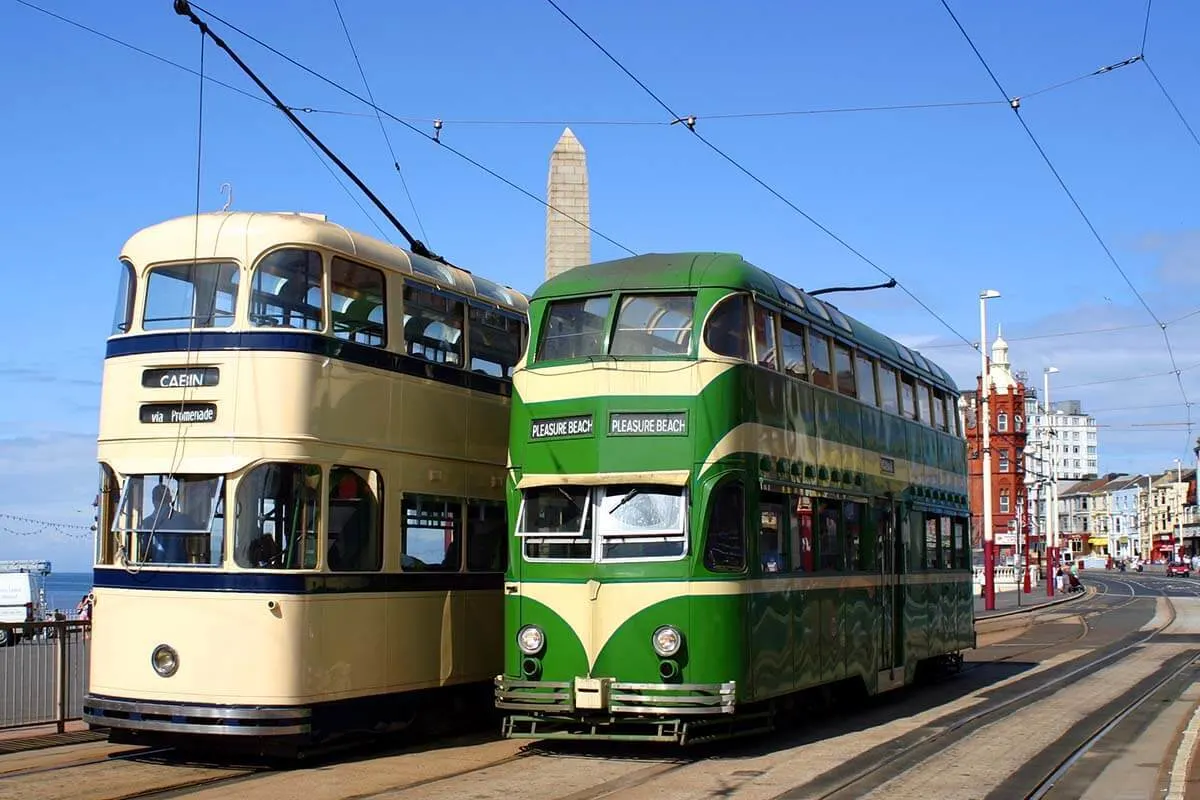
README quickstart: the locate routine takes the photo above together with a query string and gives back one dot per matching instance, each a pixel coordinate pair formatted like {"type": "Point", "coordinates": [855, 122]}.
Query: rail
{"type": "Point", "coordinates": [43, 672]}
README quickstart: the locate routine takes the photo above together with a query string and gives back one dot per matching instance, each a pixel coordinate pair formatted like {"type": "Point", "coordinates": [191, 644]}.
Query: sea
{"type": "Point", "coordinates": [65, 589]}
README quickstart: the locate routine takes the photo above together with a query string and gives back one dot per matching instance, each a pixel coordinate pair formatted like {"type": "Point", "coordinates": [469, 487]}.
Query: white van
{"type": "Point", "coordinates": [20, 602]}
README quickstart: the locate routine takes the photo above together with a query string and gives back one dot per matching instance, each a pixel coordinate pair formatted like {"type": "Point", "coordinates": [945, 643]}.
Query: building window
{"type": "Point", "coordinates": [1002, 422]}
{"type": "Point", "coordinates": [1004, 505]}
{"type": "Point", "coordinates": [1019, 422]}
{"type": "Point", "coordinates": [1004, 460]}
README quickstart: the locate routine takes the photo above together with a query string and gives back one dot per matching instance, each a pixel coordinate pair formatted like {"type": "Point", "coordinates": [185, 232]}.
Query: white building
{"type": "Point", "coordinates": [1067, 436]}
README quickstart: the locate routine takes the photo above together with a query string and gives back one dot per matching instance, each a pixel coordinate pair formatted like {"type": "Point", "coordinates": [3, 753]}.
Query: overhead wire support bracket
{"type": "Point", "coordinates": [184, 9]}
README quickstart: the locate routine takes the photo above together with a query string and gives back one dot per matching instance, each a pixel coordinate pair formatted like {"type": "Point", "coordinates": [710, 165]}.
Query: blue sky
{"type": "Point", "coordinates": [99, 141]}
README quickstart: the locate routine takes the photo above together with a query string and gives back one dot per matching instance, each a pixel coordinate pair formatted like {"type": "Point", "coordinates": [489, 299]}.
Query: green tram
{"type": "Point", "coordinates": [722, 492]}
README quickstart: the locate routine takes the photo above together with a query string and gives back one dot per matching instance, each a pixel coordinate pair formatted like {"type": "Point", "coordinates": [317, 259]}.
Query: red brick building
{"type": "Point", "coordinates": [1008, 433]}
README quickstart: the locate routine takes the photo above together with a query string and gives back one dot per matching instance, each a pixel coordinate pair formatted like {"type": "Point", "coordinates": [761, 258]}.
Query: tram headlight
{"type": "Point", "coordinates": [165, 660]}
{"type": "Point", "coordinates": [531, 640]}
{"type": "Point", "coordinates": [667, 641]}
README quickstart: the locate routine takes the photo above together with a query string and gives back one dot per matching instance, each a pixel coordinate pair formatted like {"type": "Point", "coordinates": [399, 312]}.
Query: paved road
{"type": "Point", "coordinates": [27, 677]}
{"type": "Point", "coordinates": [1131, 584]}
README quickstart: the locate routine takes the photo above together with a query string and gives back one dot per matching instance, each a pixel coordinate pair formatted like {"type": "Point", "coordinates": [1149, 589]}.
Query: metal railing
{"type": "Point", "coordinates": [43, 672]}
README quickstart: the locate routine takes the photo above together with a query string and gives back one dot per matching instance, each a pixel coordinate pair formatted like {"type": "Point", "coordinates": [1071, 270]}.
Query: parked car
{"type": "Point", "coordinates": [1180, 568]}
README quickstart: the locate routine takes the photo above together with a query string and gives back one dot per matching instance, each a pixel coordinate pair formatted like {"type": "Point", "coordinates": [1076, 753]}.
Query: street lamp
{"type": "Point", "coordinates": [1051, 489]}
{"type": "Point", "coordinates": [985, 422]}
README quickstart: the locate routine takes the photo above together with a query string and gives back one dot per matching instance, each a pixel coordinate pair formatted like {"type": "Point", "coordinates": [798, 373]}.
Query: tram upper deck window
{"type": "Point", "coordinates": [908, 396]}
{"type": "Point", "coordinates": [495, 341]}
{"type": "Point", "coordinates": [433, 325]}
{"type": "Point", "coordinates": [843, 363]}
{"type": "Point", "coordinates": [889, 389]}
{"type": "Point", "coordinates": [764, 338]}
{"type": "Point", "coordinates": [939, 411]}
{"type": "Point", "coordinates": [654, 325]}
{"type": "Point", "coordinates": [641, 522]}
{"type": "Point", "coordinates": [554, 523]}
{"type": "Point", "coordinates": [191, 295]}
{"type": "Point", "coordinates": [494, 291]}
{"type": "Point", "coordinates": [123, 313]}
{"type": "Point", "coordinates": [278, 516]}
{"type": "Point", "coordinates": [574, 329]}
{"type": "Point", "coordinates": [792, 339]}
{"type": "Point", "coordinates": [356, 303]}
{"type": "Point", "coordinates": [727, 331]}
{"type": "Point", "coordinates": [923, 404]}
{"type": "Point", "coordinates": [818, 356]}
{"type": "Point", "coordinates": [171, 520]}
{"type": "Point", "coordinates": [865, 369]}
{"type": "Point", "coordinates": [287, 291]}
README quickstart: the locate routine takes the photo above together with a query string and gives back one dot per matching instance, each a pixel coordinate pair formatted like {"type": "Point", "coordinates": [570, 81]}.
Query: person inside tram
{"type": "Point", "coordinates": [154, 540]}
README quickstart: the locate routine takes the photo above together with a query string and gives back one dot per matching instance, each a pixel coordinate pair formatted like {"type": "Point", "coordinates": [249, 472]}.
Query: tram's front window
{"type": "Point", "coordinates": [573, 329]}
{"type": "Point", "coordinates": [191, 295]}
{"type": "Point", "coordinates": [171, 520]}
{"type": "Point", "coordinates": [278, 516]}
{"type": "Point", "coordinates": [641, 522]}
{"type": "Point", "coordinates": [554, 523]}
{"type": "Point", "coordinates": [654, 325]}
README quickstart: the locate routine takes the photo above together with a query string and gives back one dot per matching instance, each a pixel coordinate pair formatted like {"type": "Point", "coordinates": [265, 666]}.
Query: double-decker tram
{"type": "Point", "coordinates": [723, 492]}
{"type": "Point", "coordinates": [302, 447]}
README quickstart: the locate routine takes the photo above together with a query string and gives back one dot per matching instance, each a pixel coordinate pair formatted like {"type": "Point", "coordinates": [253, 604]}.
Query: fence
{"type": "Point", "coordinates": [1006, 577]}
{"type": "Point", "coordinates": [43, 676]}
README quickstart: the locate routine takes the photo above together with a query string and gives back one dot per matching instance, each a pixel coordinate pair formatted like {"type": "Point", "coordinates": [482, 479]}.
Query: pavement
{"type": "Point", "coordinates": [1010, 600]}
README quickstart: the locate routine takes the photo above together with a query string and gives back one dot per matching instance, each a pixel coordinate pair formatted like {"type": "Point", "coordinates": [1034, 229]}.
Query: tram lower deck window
{"type": "Point", "coordinates": [554, 523]}
{"type": "Point", "coordinates": [171, 520]}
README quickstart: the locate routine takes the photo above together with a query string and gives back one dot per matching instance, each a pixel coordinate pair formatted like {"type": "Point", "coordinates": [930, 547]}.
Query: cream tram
{"type": "Point", "coordinates": [302, 451]}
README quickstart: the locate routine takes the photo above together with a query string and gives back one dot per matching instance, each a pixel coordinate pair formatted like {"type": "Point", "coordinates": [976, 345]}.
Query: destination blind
{"type": "Point", "coordinates": [164, 413]}
{"type": "Point", "coordinates": [670, 423]}
{"type": "Point", "coordinates": [561, 427]}
{"type": "Point", "coordinates": [180, 377]}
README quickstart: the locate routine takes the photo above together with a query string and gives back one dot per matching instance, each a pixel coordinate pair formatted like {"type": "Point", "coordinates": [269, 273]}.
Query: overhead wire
{"type": "Point", "coordinates": [1055, 335]}
{"type": "Point", "coordinates": [1171, 101]}
{"type": "Point", "coordinates": [500, 122]}
{"type": "Point", "coordinates": [434, 138]}
{"type": "Point", "coordinates": [379, 117]}
{"type": "Point", "coordinates": [1138, 377]}
{"type": "Point", "coordinates": [1078, 207]}
{"type": "Point", "coordinates": [690, 124]}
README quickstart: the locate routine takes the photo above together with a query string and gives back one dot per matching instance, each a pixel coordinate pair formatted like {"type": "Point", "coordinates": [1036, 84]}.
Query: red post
{"type": "Point", "coordinates": [989, 576]}
{"type": "Point", "coordinates": [1051, 569]}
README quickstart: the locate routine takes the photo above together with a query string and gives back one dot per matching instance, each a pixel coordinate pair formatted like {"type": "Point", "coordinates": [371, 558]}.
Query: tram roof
{"type": "Point", "coordinates": [244, 235]}
{"type": "Point", "coordinates": [668, 271]}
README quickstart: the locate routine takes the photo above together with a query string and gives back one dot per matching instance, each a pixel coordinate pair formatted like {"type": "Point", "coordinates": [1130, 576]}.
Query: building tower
{"type": "Point", "coordinates": [1006, 403]}
{"type": "Point", "coordinates": [568, 239]}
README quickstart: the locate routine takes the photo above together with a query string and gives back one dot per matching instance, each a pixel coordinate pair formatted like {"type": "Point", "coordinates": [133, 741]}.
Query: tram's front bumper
{"type": "Point", "coordinates": [196, 718]}
{"type": "Point", "coordinates": [603, 708]}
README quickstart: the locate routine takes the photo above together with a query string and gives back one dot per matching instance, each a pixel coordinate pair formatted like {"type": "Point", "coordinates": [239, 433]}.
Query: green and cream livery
{"type": "Point", "coordinates": [723, 492]}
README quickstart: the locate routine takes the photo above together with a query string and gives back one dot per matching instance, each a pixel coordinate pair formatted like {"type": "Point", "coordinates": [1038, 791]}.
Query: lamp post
{"type": "Point", "coordinates": [985, 422]}
{"type": "Point", "coordinates": [1051, 489]}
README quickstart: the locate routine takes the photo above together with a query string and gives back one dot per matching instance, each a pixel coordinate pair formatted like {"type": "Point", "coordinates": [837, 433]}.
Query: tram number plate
{"type": "Point", "coordinates": [165, 413]}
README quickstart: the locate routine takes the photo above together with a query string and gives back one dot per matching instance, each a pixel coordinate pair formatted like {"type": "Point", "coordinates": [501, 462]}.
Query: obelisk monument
{"type": "Point", "coordinates": [568, 242]}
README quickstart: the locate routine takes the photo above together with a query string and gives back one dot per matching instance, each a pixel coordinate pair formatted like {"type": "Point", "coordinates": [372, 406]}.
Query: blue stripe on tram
{"type": "Point", "coordinates": [308, 343]}
{"type": "Point", "coordinates": [292, 583]}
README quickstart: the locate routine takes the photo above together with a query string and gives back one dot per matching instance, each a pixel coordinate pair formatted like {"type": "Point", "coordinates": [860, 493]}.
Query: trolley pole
{"type": "Point", "coordinates": [985, 423]}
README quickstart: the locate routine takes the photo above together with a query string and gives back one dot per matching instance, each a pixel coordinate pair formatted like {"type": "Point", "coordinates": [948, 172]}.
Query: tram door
{"type": "Point", "coordinates": [891, 600]}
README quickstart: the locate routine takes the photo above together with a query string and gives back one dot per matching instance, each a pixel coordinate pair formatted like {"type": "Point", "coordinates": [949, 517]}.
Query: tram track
{"type": "Point", "coordinates": [908, 752]}
{"type": "Point", "coordinates": [1084, 613]}
{"type": "Point", "coordinates": [1165, 678]}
